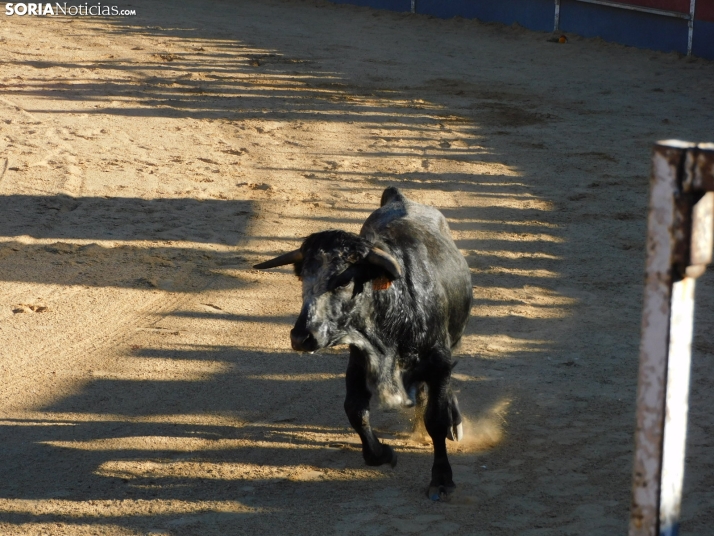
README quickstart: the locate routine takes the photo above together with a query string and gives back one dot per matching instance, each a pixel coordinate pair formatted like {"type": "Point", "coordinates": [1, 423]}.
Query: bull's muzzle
{"type": "Point", "coordinates": [302, 340]}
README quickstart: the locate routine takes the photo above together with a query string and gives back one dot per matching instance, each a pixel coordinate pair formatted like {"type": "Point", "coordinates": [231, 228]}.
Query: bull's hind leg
{"type": "Point", "coordinates": [357, 409]}
{"type": "Point", "coordinates": [455, 431]}
{"type": "Point", "coordinates": [439, 418]}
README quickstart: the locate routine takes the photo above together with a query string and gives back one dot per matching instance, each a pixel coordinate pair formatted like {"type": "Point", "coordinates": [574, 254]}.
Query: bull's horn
{"type": "Point", "coordinates": [383, 259]}
{"type": "Point", "coordinates": [282, 260]}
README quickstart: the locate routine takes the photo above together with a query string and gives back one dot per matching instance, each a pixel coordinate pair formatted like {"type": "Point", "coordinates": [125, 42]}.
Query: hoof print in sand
{"type": "Point", "coordinates": [27, 308]}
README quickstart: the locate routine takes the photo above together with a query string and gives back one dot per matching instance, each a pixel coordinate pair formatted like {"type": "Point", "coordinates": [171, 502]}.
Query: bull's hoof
{"type": "Point", "coordinates": [393, 461]}
{"type": "Point", "coordinates": [456, 432]}
{"type": "Point", "coordinates": [440, 493]}
{"type": "Point", "coordinates": [388, 456]}
{"type": "Point", "coordinates": [442, 485]}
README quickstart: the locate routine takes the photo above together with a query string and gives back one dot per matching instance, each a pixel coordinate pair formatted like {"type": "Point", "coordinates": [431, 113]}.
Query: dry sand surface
{"type": "Point", "coordinates": [147, 162]}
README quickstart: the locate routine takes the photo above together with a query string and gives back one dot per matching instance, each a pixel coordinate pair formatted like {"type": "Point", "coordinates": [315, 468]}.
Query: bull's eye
{"type": "Point", "coordinates": [340, 283]}
{"type": "Point", "coordinates": [341, 280]}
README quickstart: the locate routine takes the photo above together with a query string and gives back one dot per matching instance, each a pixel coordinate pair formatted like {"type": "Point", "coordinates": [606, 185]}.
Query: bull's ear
{"type": "Point", "coordinates": [282, 260]}
{"type": "Point", "coordinates": [384, 260]}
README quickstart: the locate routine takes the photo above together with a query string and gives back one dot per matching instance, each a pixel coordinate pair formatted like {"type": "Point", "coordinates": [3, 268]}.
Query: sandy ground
{"type": "Point", "coordinates": [147, 162]}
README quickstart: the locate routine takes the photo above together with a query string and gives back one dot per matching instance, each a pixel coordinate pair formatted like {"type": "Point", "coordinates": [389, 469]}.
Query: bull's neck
{"type": "Point", "coordinates": [366, 328]}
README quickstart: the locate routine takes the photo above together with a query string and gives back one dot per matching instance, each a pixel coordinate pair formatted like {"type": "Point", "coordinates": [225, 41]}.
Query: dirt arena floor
{"type": "Point", "coordinates": [147, 162]}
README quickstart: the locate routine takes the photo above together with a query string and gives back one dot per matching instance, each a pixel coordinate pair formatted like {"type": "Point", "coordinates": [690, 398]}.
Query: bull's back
{"type": "Point", "coordinates": [419, 236]}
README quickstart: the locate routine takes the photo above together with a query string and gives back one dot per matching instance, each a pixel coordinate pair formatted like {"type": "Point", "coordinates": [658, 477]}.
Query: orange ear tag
{"type": "Point", "coordinates": [381, 283]}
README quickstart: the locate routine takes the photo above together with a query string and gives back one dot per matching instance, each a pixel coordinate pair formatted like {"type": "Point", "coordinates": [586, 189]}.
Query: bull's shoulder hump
{"type": "Point", "coordinates": [392, 194]}
{"type": "Point", "coordinates": [408, 213]}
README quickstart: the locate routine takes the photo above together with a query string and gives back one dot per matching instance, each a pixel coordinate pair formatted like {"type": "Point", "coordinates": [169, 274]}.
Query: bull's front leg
{"type": "Point", "coordinates": [442, 419]}
{"type": "Point", "coordinates": [357, 409]}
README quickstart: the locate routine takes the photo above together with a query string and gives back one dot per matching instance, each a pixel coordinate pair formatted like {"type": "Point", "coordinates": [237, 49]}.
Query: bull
{"type": "Point", "coordinates": [399, 294]}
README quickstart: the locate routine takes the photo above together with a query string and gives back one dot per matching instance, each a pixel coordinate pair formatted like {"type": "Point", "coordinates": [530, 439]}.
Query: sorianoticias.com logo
{"type": "Point", "coordinates": [82, 10]}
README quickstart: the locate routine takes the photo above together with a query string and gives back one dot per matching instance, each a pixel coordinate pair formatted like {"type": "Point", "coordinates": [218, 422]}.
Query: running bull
{"type": "Point", "coordinates": [399, 294]}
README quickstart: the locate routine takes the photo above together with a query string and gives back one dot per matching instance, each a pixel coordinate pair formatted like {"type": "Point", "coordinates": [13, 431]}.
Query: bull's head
{"type": "Point", "coordinates": [334, 267]}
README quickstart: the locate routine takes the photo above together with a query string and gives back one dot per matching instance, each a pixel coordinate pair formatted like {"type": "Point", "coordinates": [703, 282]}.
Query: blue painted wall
{"type": "Point", "coordinates": [623, 26]}
{"type": "Point", "coordinates": [632, 28]}
{"type": "Point", "coordinates": [533, 14]}
{"type": "Point", "coordinates": [703, 44]}
{"type": "Point", "coordinates": [391, 5]}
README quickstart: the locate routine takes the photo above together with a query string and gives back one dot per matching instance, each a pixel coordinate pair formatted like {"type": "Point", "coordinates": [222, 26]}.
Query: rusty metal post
{"type": "Point", "coordinates": [690, 26]}
{"type": "Point", "coordinates": [556, 20]}
{"type": "Point", "coordinates": [679, 246]}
